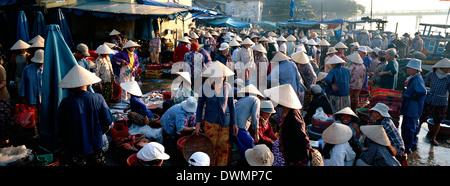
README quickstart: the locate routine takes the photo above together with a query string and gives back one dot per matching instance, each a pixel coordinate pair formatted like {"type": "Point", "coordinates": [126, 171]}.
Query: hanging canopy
{"type": "Point", "coordinates": [267, 25]}
{"type": "Point", "coordinates": [306, 24]}
{"type": "Point", "coordinates": [58, 60]}
{"type": "Point", "coordinates": [192, 9]}
{"type": "Point", "coordinates": [39, 25]}
{"type": "Point", "coordinates": [332, 24]}
{"type": "Point", "coordinates": [229, 22]}
{"type": "Point", "coordinates": [132, 10]}
{"type": "Point", "coordinates": [65, 30]}
{"type": "Point", "coordinates": [22, 27]}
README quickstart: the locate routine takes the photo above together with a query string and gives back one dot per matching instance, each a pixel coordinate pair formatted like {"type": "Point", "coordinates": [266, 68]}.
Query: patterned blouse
{"type": "Point", "coordinates": [439, 88]}
{"type": "Point", "coordinates": [103, 69]}
{"type": "Point", "coordinates": [358, 73]}
{"type": "Point", "coordinates": [193, 58]}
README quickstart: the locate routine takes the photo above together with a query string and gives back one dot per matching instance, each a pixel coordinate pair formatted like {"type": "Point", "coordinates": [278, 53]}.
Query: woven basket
{"type": "Point", "coordinates": [194, 143]}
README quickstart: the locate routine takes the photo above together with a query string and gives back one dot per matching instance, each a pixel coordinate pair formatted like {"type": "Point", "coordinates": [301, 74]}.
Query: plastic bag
{"type": "Point", "coordinates": [320, 115]}
{"type": "Point", "coordinates": [23, 116]}
{"type": "Point", "coordinates": [149, 132]}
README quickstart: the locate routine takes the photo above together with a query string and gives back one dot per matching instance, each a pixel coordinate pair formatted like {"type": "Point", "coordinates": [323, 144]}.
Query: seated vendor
{"type": "Point", "coordinates": [182, 91]}
{"type": "Point", "coordinates": [176, 120]}
{"type": "Point", "coordinates": [139, 114]}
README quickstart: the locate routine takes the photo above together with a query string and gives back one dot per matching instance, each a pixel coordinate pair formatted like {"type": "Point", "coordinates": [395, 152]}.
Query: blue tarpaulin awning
{"type": "Point", "coordinates": [58, 61]}
{"type": "Point", "coordinates": [307, 24]}
{"type": "Point", "coordinates": [229, 22]}
{"type": "Point", "coordinates": [65, 30]}
{"type": "Point", "coordinates": [39, 25]}
{"type": "Point", "coordinates": [267, 25]}
{"type": "Point", "coordinates": [22, 27]}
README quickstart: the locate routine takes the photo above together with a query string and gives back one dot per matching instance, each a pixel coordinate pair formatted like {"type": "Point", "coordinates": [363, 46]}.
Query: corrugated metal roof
{"type": "Point", "coordinates": [125, 8]}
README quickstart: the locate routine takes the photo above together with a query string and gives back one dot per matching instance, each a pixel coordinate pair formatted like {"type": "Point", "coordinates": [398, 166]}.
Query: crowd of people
{"type": "Point", "coordinates": [254, 89]}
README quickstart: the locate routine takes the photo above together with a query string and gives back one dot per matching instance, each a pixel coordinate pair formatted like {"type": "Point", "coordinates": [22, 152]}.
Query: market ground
{"type": "Point", "coordinates": [425, 155]}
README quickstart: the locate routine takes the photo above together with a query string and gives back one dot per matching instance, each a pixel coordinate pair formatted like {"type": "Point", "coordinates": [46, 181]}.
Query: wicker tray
{"type": "Point", "coordinates": [196, 143]}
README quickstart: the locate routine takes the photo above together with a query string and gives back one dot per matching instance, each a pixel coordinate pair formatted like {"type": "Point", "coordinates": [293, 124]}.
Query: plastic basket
{"type": "Point", "coordinates": [386, 92]}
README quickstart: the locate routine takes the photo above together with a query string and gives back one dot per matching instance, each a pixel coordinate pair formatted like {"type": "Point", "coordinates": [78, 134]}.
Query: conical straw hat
{"type": "Point", "coordinates": [335, 60]}
{"type": "Point", "coordinates": [340, 45]}
{"type": "Point", "coordinates": [300, 57]}
{"type": "Point", "coordinates": [280, 57]}
{"type": "Point", "coordinates": [19, 45]}
{"type": "Point", "coordinates": [443, 63]}
{"type": "Point", "coordinates": [311, 42]}
{"type": "Point", "coordinates": [263, 39]}
{"type": "Point", "coordinates": [272, 34]}
{"type": "Point", "coordinates": [355, 58]}
{"type": "Point", "coordinates": [217, 69]}
{"type": "Point", "coordinates": [185, 75]}
{"type": "Point", "coordinates": [78, 77]}
{"type": "Point", "coordinates": [36, 39]}
{"type": "Point", "coordinates": [250, 89]}
{"type": "Point", "coordinates": [260, 48]}
{"type": "Point", "coordinates": [132, 87]}
{"type": "Point", "coordinates": [376, 133]}
{"type": "Point", "coordinates": [131, 43]}
{"type": "Point", "coordinates": [104, 49]}
{"type": "Point", "coordinates": [337, 133]}
{"type": "Point", "coordinates": [184, 40]}
{"type": "Point", "coordinates": [114, 32]}
{"type": "Point", "coordinates": [281, 38]}
{"type": "Point", "coordinates": [291, 38]}
{"type": "Point", "coordinates": [234, 43]}
{"type": "Point", "coordinates": [38, 44]}
{"type": "Point", "coordinates": [193, 35]}
{"type": "Point", "coordinates": [208, 34]}
{"type": "Point", "coordinates": [322, 75]}
{"type": "Point", "coordinates": [346, 110]}
{"type": "Point", "coordinates": [247, 41]}
{"type": "Point", "coordinates": [284, 95]}
{"type": "Point", "coordinates": [323, 42]}
{"type": "Point", "coordinates": [331, 50]}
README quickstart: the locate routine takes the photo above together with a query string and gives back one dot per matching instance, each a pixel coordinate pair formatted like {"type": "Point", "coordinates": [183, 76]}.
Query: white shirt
{"type": "Point", "coordinates": [340, 155]}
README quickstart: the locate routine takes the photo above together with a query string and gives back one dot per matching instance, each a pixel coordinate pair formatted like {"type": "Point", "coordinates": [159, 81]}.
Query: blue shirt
{"type": "Point", "coordinates": [413, 97]}
{"type": "Point", "coordinates": [218, 109]}
{"type": "Point", "coordinates": [392, 133]}
{"type": "Point", "coordinates": [84, 63]}
{"type": "Point", "coordinates": [247, 107]}
{"type": "Point", "coordinates": [174, 119]}
{"type": "Point", "coordinates": [438, 94]}
{"type": "Point", "coordinates": [137, 105]}
{"type": "Point", "coordinates": [286, 73]}
{"type": "Point", "coordinates": [341, 76]}
{"type": "Point", "coordinates": [82, 119]}
{"type": "Point", "coordinates": [31, 86]}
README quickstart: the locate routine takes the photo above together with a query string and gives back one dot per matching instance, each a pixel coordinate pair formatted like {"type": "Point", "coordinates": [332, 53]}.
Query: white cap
{"type": "Point", "coordinates": [152, 151]}
{"type": "Point", "coordinates": [38, 56]}
{"type": "Point", "coordinates": [199, 159]}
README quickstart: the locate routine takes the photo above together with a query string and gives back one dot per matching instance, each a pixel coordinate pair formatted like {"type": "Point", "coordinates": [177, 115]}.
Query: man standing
{"type": "Point", "coordinates": [413, 99]}
{"type": "Point", "coordinates": [155, 48]}
{"type": "Point", "coordinates": [31, 85]}
{"type": "Point", "coordinates": [80, 55]}
{"type": "Point", "coordinates": [82, 119]}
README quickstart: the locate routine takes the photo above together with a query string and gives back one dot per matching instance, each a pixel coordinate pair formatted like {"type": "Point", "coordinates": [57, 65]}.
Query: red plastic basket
{"type": "Point", "coordinates": [386, 92]}
{"type": "Point", "coordinates": [117, 91]}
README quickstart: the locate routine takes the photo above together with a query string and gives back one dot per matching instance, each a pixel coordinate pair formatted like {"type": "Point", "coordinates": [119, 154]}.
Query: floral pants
{"type": "Point", "coordinates": [220, 137]}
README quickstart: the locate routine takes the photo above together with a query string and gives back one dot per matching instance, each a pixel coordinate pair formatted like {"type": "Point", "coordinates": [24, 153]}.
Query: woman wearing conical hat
{"type": "Point", "coordinates": [83, 115]}
{"type": "Point", "coordinates": [104, 71]}
{"type": "Point", "coordinates": [376, 151]}
{"type": "Point", "coordinates": [129, 64]}
{"type": "Point", "coordinates": [358, 73]}
{"type": "Point", "coordinates": [216, 99]}
{"type": "Point", "coordinates": [337, 150]}
{"type": "Point", "coordinates": [436, 100]}
{"type": "Point", "coordinates": [292, 147]}
{"type": "Point", "coordinates": [19, 60]}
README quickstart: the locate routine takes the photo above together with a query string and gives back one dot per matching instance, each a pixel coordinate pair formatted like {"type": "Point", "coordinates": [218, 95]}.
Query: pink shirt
{"type": "Point", "coordinates": [357, 71]}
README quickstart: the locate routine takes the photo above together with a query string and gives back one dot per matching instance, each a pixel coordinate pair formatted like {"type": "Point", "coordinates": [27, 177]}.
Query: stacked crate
{"type": "Point", "coordinates": [153, 71]}
{"type": "Point", "coordinates": [392, 98]}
